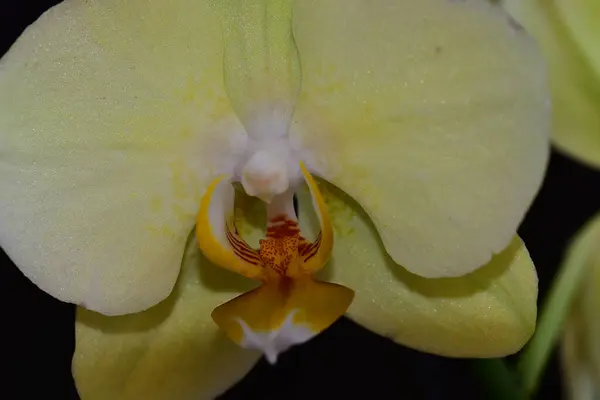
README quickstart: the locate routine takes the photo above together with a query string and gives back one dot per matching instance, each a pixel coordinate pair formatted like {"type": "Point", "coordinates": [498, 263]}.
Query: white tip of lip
{"type": "Point", "coordinates": [277, 341]}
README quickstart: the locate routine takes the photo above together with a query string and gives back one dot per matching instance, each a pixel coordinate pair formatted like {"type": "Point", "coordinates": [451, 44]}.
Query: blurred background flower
{"type": "Point", "coordinates": [569, 35]}
{"type": "Point", "coordinates": [581, 338]}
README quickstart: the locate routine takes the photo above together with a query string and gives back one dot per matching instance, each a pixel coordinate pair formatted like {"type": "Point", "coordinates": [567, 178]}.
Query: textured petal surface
{"type": "Point", "coordinates": [105, 108]}
{"type": "Point", "coordinates": [488, 313]}
{"type": "Point", "coordinates": [171, 351]}
{"type": "Point", "coordinates": [433, 116]}
{"type": "Point", "coordinates": [568, 35]}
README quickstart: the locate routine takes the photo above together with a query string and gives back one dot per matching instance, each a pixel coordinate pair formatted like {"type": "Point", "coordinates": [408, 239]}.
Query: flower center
{"type": "Point", "coordinates": [290, 306]}
{"type": "Point", "coordinates": [270, 165]}
{"type": "Point", "coordinates": [265, 176]}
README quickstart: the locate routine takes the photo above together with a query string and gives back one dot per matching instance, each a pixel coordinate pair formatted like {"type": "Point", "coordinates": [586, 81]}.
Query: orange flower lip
{"type": "Point", "coordinates": [290, 307]}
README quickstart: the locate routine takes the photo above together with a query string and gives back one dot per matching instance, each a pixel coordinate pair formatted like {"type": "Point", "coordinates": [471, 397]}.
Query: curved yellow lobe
{"type": "Point", "coordinates": [213, 225]}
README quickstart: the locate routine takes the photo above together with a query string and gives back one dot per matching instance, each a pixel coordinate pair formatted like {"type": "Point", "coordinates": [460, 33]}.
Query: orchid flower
{"type": "Point", "coordinates": [151, 153]}
{"type": "Point", "coordinates": [568, 33]}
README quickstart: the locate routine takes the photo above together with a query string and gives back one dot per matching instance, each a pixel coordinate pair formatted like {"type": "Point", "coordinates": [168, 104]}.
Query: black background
{"type": "Point", "coordinates": [347, 361]}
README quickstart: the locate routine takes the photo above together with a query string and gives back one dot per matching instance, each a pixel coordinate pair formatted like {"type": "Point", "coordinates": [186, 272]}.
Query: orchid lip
{"type": "Point", "coordinates": [290, 306]}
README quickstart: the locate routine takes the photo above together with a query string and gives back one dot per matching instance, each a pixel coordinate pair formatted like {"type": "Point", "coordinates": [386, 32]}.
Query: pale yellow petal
{"type": "Point", "coordinates": [172, 351]}
{"type": "Point", "coordinates": [106, 108]}
{"type": "Point", "coordinates": [488, 313]}
{"type": "Point", "coordinates": [569, 44]}
{"type": "Point", "coordinates": [433, 115]}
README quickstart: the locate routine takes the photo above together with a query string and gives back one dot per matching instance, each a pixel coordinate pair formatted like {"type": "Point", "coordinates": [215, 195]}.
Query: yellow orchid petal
{"type": "Point", "coordinates": [567, 33]}
{"type": "Point", "coordinates": [440, 137]}
{"type": "Point", "coordinates": [170, 351]}
{"type": "Point", "coordinates": [488, 313]}
{"type": "Point", "coordinates": [111, 114]}
{"type": "Point", "coordinates": [290, 307]}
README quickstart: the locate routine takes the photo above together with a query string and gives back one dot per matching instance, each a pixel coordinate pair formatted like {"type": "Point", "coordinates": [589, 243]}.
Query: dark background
{"type": "Point", "coordinates": [347, 361]}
